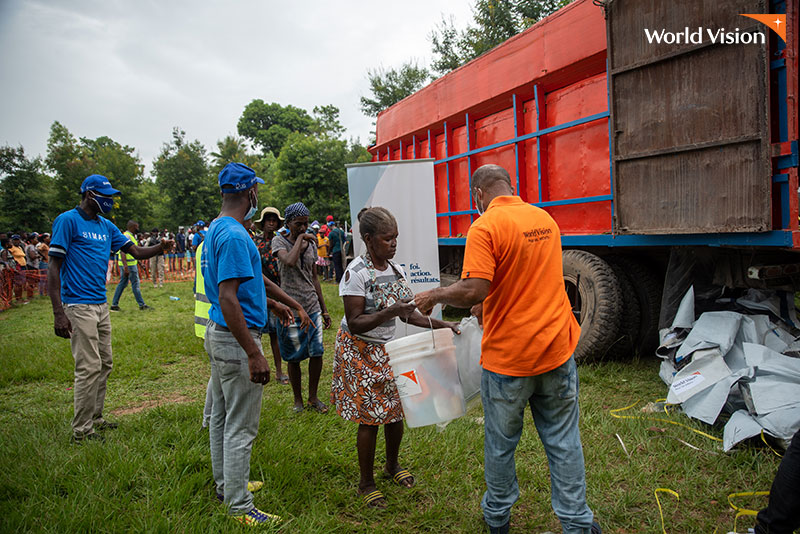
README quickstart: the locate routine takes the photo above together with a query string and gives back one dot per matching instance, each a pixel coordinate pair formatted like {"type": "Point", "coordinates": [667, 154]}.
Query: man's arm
{"type": "Point", "coordinates": [465, 293]}
{"type": "Point", "coordinates": [326, 318]}
{"type": "Point", "coordinates": [234, 318]}
{"type": "Point", "coordinates": [276, 293]}
{"type": "Point", "coordinates": [62, 326]}
{"type": "Point", "coordinates": [143, 253]}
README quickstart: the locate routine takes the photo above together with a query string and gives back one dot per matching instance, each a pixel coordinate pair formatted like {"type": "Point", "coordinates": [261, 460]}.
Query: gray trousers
{"type": "Point", "coordinates": [91, 349]}
{"type": "Point", "coordinates": [235, 412]}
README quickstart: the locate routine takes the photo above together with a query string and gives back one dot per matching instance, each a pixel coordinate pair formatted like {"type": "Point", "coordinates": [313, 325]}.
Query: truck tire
{"type": "Point", "coordinates": [625, 347]}
{"type": "Point", "coordinates": [594, 293]}
{"type": "Point", "coordinates": [648, 289]}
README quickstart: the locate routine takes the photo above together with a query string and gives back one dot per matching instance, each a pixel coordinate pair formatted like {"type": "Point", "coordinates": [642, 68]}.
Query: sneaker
{"type": "Point", "coordinates": [79, 439]}
{"type": "Point", "coordinates": [114, 307]}
{"type": "Point", "coordinates": [102, 424]}
{"type": "Point", "coordinates": [596, 528]}
{"type": "Point", "coordinates": [257, 518]}
{"type": "Point", "coordinates": [146, 308]}
{"type": "Point", "coordinates": [252, 486]}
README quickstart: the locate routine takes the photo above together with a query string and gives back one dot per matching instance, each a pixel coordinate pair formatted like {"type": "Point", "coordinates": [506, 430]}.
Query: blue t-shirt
{"type": "Point", "coordinates": [228, 252]}
{"type": "Point", "coordinates": [180, 243]}
{"type": "Point", "coordinates": [85, 244]}
{"type": "Point", "coordinates": [336, 238]}
{"type": "Point", "coordinates": [198, 238]}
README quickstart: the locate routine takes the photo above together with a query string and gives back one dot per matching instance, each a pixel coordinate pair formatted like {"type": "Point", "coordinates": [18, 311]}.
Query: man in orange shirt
{"type": "Point", "coordinates": [512, 277]}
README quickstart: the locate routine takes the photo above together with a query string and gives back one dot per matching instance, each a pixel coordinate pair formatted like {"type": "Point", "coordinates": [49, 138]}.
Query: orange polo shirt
{"type": "Point", "coordinates": [528, 325]}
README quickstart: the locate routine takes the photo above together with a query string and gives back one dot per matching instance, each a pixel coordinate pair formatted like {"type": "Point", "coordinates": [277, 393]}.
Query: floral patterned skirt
{"type": "Point", "coordinates": [363, 387]}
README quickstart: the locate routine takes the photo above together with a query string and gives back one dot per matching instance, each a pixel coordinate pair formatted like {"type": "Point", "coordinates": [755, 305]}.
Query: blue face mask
{"type": "Point", "coordinates": [252, 211]}
{"type": "Point", "coordinates": [104, 203]}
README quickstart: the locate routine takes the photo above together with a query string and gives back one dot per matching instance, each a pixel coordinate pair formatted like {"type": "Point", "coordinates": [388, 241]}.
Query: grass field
{"type": "Point", "coordinates": [153, 474]}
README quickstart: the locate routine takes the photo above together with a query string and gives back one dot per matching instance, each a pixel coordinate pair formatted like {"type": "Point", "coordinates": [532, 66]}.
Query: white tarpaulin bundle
{"type": "Point", "coordinates": [742, 364]}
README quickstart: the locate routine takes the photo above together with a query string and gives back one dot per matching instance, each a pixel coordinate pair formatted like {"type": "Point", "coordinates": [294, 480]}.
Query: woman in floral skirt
{"type": "Point", "coordinates": [375, 291]}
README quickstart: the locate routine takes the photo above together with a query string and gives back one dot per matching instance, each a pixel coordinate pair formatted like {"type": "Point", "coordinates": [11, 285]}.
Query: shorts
{"type": "Point", "coordinates": [297, 345]}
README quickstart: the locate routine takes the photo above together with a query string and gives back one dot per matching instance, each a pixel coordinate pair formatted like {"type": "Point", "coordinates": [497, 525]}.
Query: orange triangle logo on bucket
{"type": "Point", "coordinates": [774, 21]}
{"type": "Point", "coordinates": [411, 375]}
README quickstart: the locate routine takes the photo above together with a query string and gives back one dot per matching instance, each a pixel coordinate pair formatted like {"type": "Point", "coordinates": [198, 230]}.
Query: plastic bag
{"type": "Point", "coordinates": [468, 356]}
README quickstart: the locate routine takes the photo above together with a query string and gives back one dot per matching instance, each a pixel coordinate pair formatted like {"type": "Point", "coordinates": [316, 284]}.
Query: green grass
{"type": "Point", "coordinates": [153, 474]}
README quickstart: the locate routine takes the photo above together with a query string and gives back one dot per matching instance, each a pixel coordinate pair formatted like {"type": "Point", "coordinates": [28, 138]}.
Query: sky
{"type": "Point", "coordinates": [133, 70]}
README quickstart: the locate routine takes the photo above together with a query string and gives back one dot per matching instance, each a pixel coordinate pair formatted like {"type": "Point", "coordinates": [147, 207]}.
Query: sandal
{"type": "Point", "coordinates": [284, 379]}
{"type": "Point", "coordinates": [318, 406]}
{"type": "Point", "coordinates": [375, 499]}
{"type": "Point", "coordinates": [298, 409]}
{"type": "Point", "coordinates": [402, 477]}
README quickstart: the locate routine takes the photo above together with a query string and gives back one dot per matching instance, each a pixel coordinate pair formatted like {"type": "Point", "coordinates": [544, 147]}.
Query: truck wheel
{"type": "Point", "coordinates": [648, 289]}
{"type": "Point", "coordinates": [625, 348]}
{"type": "Point", "coordinates": [594, 293]}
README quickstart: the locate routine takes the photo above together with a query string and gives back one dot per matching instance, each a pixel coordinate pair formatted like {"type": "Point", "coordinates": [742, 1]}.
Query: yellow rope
{"type": "Point", "coordinates": [658, 502]}
{"type": "Point", "coordinates": [614, 413]}
{"type": "Point", "coordinates": [764, 439]}
{"type": "Point", "coordinates": [742, 512]}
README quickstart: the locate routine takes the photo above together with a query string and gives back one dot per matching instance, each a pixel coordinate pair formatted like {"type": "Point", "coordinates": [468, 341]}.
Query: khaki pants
{"type": "Point", "coordinates": [91, 349]}
{"type": "Point", "coordinates": [157, 269]}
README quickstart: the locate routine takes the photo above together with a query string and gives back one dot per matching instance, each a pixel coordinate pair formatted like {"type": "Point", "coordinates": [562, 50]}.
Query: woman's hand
{"type": "Point", "coordinates": [403, 308]}
{"type": "Point", "coordinates": [453, 326]}
{"type": "Point", "coordinates": [305, 320]}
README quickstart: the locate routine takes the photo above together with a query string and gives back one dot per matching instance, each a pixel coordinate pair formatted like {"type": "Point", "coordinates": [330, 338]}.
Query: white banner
{"type": "Point", "coordinates": [406, 188]}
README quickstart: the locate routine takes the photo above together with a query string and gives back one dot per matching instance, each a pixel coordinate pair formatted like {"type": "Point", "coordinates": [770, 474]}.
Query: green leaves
{"type": "Point", "coordinates": [269, 125]}
{"type": "Point", "coordinates": [389, 86]}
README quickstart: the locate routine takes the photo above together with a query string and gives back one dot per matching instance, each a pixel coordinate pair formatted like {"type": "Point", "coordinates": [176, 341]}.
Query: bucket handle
{"type": "Point", "coordinates": [433, 337]}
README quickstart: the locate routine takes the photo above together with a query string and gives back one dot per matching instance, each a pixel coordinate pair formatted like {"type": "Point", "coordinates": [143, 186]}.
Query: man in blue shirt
{"type": "Point", "coordinates": [231, 269]}
{"type": "Point", "coordinates": [337, 238]}
{"type": "Point", "coordinates": [80, 247]}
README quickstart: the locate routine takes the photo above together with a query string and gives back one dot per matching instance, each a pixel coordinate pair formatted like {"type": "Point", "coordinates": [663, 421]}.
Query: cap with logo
{"type": "Point", "coordinates": [15, 236]}
{"type": "Point", "coordinates": [269, 209]}
{"type": "Point", "coordinates": [99, 184]}
{"type": "Point", "coordinates": [235, 177]}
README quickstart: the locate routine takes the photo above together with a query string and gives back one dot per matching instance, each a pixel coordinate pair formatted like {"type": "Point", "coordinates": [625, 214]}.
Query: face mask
{"type": "Point", "coordinates": [105, 204]}
{"type": "Point", "coordinates": [478, 205]}
{"type": "Point", "coordinates": [252, 210]}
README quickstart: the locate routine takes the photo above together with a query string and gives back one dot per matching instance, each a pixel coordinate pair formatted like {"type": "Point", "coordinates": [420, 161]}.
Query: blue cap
{"type": "Point", "coordinates": [98, 183]}
{"type": "Point", "coordinates": [239, 176]}
{"type": "Point", "coordinates": [200, 223]}
{"type": "Point", "coordinates": [15, 236]}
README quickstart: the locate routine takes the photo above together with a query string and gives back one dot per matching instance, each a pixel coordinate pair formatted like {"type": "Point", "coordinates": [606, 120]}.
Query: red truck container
{"type": "Point", "coordinates": [663, 163]}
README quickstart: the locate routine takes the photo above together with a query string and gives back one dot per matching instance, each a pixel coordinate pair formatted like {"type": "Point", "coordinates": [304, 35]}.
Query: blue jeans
{"type": "Point", "coordinates": [553, 398]}
{"type": "Point", "coordinates": [235, 412]}
{"type": "Point", "coordinates": [133, 276]}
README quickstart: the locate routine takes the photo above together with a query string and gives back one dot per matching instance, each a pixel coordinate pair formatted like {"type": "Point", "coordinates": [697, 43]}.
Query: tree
{"type": "Point", "coordinates": [25, 193]}
{"type": "Point", "coordinates": [125, 171]}
{"type": "Point", "coordinates": [326, 119]}
{"type": "Point", "coordinates": [311, 169]}
{"type": "Point", "coordinates": [391, 86]}
{"type": "Point", "coordinates": [269, 125]}
{"type": "Point", "coordinates": [494, 22]}
{"type": "Point", "coordinates": [231, 149]}
{"type": "Point", "coordinates": [188, 190]}
{"type": "Point", "coordinates": [71, 163]}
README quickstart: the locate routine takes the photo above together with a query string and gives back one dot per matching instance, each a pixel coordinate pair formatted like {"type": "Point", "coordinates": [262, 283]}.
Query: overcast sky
{"type": "Point", "coordinates": [132, 70]}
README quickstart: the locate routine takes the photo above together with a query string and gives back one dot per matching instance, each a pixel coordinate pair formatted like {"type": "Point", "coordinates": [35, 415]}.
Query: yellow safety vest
{"type": "Point", "coordinates": [130, 259]}
{"type": "Point", "coordinates": [202, 306]}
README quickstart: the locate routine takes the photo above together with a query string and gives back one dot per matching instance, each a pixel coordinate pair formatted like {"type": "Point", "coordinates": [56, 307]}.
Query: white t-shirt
{"type": "Point", "coordinates": [356, 282]}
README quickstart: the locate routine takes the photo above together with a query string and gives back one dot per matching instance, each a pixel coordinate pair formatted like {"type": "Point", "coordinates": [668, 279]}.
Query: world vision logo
{"type": "Point", "coordinates": [411, 375]}
{"type": "Point", "coordinates": [775, 22]}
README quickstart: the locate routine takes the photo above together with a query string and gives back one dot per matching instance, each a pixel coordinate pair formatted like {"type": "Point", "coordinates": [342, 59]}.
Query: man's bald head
{"type": "Point", "coordinates": [491, 177]}
{"type": "Point", "coordinates": [132, 226]}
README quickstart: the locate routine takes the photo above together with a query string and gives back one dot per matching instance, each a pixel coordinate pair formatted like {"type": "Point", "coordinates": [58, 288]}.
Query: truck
{"type": "Point", "coordinates": [662, 137]}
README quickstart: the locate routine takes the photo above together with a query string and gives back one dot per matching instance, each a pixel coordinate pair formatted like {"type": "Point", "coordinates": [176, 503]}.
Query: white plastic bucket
{"type": "Point", "coordinates": [426, 373]}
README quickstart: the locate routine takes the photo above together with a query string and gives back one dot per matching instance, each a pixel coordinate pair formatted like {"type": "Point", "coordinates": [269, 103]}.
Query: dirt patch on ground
{"type": "Point", "coordinates": [175, 398]}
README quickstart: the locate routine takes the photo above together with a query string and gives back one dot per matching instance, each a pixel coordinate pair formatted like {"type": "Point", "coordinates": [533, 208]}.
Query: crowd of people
{"type": "Point", "coordinates": [249, 283]}
{"type": "Point", "coordinates": [24, 258]}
